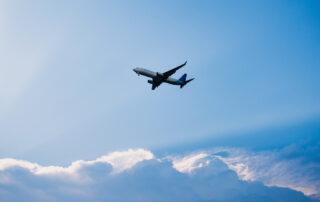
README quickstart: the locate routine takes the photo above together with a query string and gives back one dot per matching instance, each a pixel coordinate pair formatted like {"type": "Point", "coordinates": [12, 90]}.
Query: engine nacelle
{"type": "Point", "coordinates": [150, 81]}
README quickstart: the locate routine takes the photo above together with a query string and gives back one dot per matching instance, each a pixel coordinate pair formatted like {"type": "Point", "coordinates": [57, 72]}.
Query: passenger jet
{"type": "Point", "coordinates": [158, 78]}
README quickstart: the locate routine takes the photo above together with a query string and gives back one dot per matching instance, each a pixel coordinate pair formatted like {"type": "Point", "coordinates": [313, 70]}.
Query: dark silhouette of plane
{"type": "Point", "coordinates": [158, 78]}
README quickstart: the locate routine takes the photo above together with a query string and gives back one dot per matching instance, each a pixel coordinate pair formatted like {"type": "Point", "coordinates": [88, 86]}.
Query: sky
{"type": "Point", "coordinates": [68, 93]}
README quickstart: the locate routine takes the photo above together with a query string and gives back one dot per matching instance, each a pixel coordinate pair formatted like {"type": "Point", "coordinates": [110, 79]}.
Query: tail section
{"type": "Point", "coordinates": [185, 82]}
{"type": "Point", "coordinates": [183, 78]}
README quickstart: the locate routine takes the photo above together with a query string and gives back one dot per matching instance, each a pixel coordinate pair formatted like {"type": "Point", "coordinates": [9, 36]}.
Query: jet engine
{"type": "Point", "coordinates": [150, 81]}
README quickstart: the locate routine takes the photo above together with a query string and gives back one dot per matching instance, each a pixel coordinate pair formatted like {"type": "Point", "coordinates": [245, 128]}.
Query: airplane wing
{"type": "Point", "coordinates": [172, 71]}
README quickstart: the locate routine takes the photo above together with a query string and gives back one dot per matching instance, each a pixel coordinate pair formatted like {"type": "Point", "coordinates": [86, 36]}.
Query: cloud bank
{"type": "Point", "coordinates": [296, 167]}
{"type": "Point", "coordinates": [221, 174]}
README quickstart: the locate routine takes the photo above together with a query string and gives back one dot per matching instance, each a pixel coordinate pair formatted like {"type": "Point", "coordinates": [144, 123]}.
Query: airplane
{"type": "Point", "coordinates": [159, 78]}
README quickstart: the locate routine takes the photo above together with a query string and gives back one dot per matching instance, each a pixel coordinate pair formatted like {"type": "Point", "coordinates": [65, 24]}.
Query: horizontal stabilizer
{"type": "Point", "coordinates": [187, 81]}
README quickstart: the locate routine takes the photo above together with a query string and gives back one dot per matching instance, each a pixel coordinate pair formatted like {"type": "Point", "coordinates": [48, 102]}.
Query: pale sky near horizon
{"type": "Point", "coordinates": [68, 90]}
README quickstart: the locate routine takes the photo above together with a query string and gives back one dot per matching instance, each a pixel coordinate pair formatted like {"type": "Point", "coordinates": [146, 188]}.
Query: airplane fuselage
{"type": "Point", "coordinates": [156, 75]}
{"type": "Point", "coordinates": [158, 78]}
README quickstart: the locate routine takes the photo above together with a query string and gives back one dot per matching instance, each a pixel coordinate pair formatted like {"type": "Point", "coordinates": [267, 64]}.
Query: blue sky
{"type": "Point", "coordinates": [68, 91]}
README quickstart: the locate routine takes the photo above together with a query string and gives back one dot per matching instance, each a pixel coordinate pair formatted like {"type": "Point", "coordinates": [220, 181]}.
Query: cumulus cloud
{"type": "Point", "coordinates": [137, 175]}
{"type": "Point", "coordinates": [119, 161]}
{"type": "Point", "coordinates": [189, 163]}
{"type": "Point", "coordinates": [282, 168]}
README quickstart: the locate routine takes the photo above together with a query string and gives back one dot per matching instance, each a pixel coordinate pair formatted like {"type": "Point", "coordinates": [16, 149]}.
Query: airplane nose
{"type": "Point", "coordinates": [136, 71]}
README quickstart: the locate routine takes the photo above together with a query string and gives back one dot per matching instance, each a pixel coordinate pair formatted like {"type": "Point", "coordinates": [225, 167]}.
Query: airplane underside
{"type": "Point", "coordinates": [159, 78]}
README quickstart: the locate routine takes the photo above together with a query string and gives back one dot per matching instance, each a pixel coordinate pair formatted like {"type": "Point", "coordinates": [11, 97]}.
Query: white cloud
{"type": "Point", "coordinates": [120, 161]}
{"type": "Point", "coordinates": [117, 176]}
{"type": "Point", "coordinates": [271, 168]}
{"type": "Point", "coordinates": [189, 163]}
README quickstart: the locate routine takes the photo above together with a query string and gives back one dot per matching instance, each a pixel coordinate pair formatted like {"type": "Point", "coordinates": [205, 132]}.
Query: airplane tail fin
{"type": "Point", "coordinates": [183, 78]}
{"type": "Point", "coordinates": [185, 82]}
